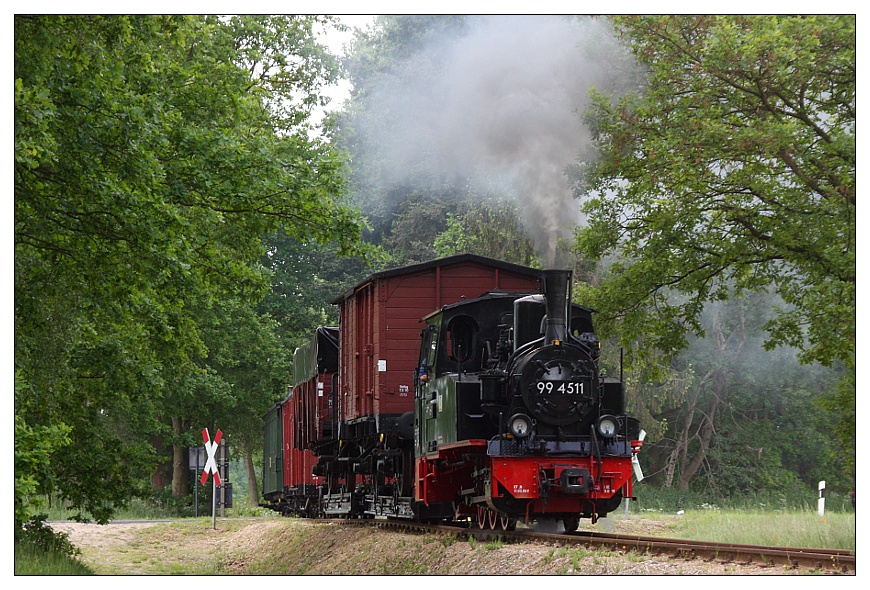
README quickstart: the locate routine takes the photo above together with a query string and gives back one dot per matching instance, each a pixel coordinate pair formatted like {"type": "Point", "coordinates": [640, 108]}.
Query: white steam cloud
{"type": "Point", "coordinates": [503, 113]}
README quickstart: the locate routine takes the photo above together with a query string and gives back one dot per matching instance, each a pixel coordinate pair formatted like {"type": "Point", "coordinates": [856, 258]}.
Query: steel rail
{"type": "Point", "coordinates": [828, 560]}
{"type": "Point", "coordinates": [791, 557]}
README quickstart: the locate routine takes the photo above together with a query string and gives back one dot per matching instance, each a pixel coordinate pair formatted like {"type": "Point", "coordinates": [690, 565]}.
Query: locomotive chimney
{"type": "Point", "coordinates": [556, 283]}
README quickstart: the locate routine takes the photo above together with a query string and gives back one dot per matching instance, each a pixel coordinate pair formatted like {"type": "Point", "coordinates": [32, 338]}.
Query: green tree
{"type": "Point", "coordinates": [246, 355]}
{"type": "Point", "coordinates": [709, 392]}
{"type": "Point", "coordinates": [773, 436]}
{"type": "Point", "coordinates": [488, 227]}
{"type": "Point", "coordinates": [733, 171]}
{"type": "Point", "coordinates": [404, 196]}
{"type": "Point", "coordinates": [33, 449]}
{"type": "Point", "coordinates": [732, 418]}
{"type": "Point", "coordinates": [415, 226]}
{"type": "Point", "coordinates": [151, 155]}
{"type": "Point", "coordinates": [305, 277]}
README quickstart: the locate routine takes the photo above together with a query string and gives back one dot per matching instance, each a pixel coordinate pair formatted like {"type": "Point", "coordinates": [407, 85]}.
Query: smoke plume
{"type": "Point", "coordinates": [500, 112]}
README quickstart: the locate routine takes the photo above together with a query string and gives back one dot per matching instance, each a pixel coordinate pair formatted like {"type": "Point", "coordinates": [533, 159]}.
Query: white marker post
{"type": "Point", "coordinates": [635, 463]}
{"type": "Point", "coordinates": [211, 467]}
{"type": "Point", "coordinates": [822, 498]}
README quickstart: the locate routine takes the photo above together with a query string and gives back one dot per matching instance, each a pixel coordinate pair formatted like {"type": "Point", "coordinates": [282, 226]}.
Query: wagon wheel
{"type": "Point", "coordinates": [459, 514]}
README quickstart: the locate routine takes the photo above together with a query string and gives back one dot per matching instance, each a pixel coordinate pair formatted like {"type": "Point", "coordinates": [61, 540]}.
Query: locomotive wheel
{"type": "Point", "coordinates": [506, 523]}
{"type": "Point", "coordinates": [481, 517]}
{"type": "Point", "coordinates": [493, 519]}
{"type": "Point", "coordinates": [571, 524]}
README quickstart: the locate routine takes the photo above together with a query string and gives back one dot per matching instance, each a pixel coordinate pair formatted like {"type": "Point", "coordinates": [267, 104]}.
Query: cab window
{"type": "Point", "coordinates": [460, 339]}
{"type": "Point", "coordinates": [428, 348]}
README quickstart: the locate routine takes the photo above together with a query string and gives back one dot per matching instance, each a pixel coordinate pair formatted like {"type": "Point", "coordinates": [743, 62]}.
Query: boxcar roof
{"type": "Point", "coordinates": [458, 259]}
{"type": "Point", "coordinates": [318, 354]}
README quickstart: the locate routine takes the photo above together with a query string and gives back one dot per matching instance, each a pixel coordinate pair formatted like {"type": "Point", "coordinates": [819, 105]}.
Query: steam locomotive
{"type": "Point", "coordinates": [494, 412]}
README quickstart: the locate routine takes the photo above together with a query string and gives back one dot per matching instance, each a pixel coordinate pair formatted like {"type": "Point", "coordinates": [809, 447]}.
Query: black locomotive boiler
{"type": "Point", "coordinates": [495, 411]}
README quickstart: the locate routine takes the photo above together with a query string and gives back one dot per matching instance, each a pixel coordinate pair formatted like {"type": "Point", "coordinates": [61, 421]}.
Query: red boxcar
{"type": "Point", "coordinates": [308, 417]}
{"type": "Point", "coordinates": [380, 328]}
{"type": "Point", "coordinates": [298, 461]}
{"type": "Point", "coordinates": [315, 368]}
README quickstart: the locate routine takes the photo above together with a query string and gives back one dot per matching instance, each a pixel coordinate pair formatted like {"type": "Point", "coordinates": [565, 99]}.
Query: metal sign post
{"type": "Point", "coordinates": [223, 463]}
{"type": "Point", "coordinates": [213, 500]}
{"type": "Point", "coordinates": [195, 460]}
{"type": "Point", "coordinates": [211, 467]}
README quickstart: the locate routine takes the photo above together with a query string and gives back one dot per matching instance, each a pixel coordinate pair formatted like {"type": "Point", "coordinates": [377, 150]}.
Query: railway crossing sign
{"type": "Point", "coordinates": [211, 450]}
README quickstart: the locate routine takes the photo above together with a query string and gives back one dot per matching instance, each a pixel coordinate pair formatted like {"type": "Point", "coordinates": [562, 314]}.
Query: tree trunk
{"type": "Point", "coordinates": [253, 487]}
{"type": "Point", "coordinates": [158, 476]}
{"type": "Point", "coordinates": [691, 463]}
{"type": "Point", "coordinates": [679, 455]}
{"type": "Point", "coordinates": [704, 435]}
{"type": "Point", "coordinates": [179, 463]}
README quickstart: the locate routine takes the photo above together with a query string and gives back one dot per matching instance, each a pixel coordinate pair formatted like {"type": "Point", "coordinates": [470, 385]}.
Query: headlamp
{"type": "Point", "coordinates": [520, 425]}
{"type": "Point", "coordinates": [607, 426]}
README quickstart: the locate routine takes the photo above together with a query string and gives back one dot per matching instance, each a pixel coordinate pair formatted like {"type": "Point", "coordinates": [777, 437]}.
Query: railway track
{"type": "Point", "coordinates": [803, 558]}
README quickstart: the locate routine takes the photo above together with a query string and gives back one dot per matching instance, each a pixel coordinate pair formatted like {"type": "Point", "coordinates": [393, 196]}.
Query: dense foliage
{"type": "Point", "coordinates": [152, 154]}
{"type": "Point", "coordinates": [732, 172]}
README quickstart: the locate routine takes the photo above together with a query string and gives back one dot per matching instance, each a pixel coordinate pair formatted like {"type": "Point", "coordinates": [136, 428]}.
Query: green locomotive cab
{"type": "Point", "coordinates": [461, 384]}
{"type": "Point", "coordinates": [457, 346]}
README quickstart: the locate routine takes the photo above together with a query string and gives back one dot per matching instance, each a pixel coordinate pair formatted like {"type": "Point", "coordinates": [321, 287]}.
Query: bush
{"type": "Point", "coordinates": [34, 447]}
{"type": "Point", "coordinates": [40, 551]}
{"type": "Point", "coordinates": [40, 537]}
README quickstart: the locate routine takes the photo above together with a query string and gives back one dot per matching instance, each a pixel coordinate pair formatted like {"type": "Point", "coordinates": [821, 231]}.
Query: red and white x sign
{"type": "Point", "coordinates": [210, 449]}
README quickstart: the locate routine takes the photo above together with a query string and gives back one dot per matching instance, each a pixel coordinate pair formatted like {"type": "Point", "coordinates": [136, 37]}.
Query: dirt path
{"type": "Point", "coordinates": [96, 536]}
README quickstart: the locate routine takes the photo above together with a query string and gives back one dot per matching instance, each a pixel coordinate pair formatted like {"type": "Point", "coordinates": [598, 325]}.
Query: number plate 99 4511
{"type": "Point", "coordinates": [559, 387]}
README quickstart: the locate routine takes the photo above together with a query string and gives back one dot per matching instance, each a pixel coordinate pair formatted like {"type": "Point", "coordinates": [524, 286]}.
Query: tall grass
{"type": "Point", "coordinates": [158, 509]}
{"type": "Point", "coordinates": [138, 509]}
{"type": "Point", "coordinates": [760, 518]}
{"type": "Point", "coordinates": [39, 550]}
{"type": "Point", "coordinates": [786, 528]}
{"type": "Point", "coordinates": [32, 561]}
{"type": "Point", "coordinates": [670, 500]}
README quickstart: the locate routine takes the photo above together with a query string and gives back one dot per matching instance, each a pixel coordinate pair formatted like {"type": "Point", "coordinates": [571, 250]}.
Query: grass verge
{"type": "Point", "coordinates": [788, 528]}
{"type": "Point", "coordinates": [32, 561]}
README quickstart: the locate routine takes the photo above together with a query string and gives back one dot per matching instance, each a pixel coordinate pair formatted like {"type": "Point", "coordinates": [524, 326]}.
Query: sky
{"type": "Point", "coordinates": [335, 40]}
